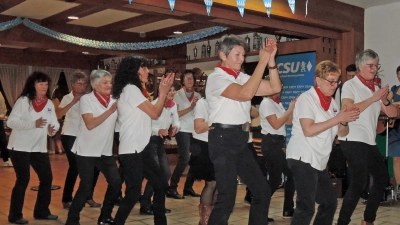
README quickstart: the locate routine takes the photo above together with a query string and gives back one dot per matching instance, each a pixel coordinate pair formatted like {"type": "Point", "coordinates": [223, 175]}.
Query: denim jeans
{"type": "Point", "coordinates": [272, 149]}
{"type": "Point", "coordinates": [107, 166]}
{"type": "Point", "coordinates": [312, 186]}
{"type": "Point", "coordinates": [183, 140]}
{"type": "Point", "coordinates": [72, 173]}
{"type": "Point", "coordinates": [155, 151]}
{"type": "Point", "coordinates": [231, 157]}
{"type": "Point", "coordinates": [363, 160]}
{"type": "Point", "coordinates": [40, 162]}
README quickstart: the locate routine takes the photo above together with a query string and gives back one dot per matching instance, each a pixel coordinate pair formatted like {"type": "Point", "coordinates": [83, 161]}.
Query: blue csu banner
{"type": "Point", "coordinates": [297, 74]}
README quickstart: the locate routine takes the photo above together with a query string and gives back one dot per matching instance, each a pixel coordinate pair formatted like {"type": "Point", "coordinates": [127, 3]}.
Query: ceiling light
{"type": "Point", "coordinates": [73, 17]}
{"type": "Point", "coordinates": [177, 32]}
{"type": "Point", "coordinates": [85, 53]}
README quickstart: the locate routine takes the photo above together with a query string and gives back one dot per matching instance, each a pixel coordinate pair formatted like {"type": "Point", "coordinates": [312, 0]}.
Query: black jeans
{"type": "Point", "coordinates": [136, 165]}
{"type": "Point", "coordinates": [312, 186]}
{"type": "Point", "coordinates": [40, 162]}
{"type": "Point", "coordinates": [86, 165]}
{"type": "Point", "coordinates": [72, 173]}
{"type": "Point", "coordinates": [3, 142]}
{"type": "Point", "coordinates": [155, 152]}
{"type": "Point", "coordinates": [363, 160]}
{"type": "Point", "coordinates": [231, 157]}
{"type": "Point", "coordinates": [272, 149]}
{"type": "Point", "coordinates": [183, 140]}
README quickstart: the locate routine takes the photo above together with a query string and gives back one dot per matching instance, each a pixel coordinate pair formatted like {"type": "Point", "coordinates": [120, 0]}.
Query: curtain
{"type": "Point", "coordinates": [7, 77]}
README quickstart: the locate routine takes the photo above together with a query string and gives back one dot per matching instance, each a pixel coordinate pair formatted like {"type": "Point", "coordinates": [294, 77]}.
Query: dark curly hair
{"type": "Point", "coordinates": [127, 73]}
{"type": "Point", "coordinates": [29, 88]}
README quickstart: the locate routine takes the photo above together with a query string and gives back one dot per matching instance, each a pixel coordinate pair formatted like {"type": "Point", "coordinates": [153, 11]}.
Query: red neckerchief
{"type": "Point", "coordinates": [169, 103]}
{"type": "Point", "coordinates": [277, 100]}
{"type": "Point", "coordinates": [39, 103]}
{"type": "Point", "coordinates": [191, 96]}
{"type": "Point", "coordinates": [229, 71]}
{"type": "Point", "coordinates": [145, 93]}
{"type": "Point", "coordinates": [369, 83]}
{"type": "Point", "coordinates": [103, 99]}
{"type": "Point", "coordinates": [323, 99]}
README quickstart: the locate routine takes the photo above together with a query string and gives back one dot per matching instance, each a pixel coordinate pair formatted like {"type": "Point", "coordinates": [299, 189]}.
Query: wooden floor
{"type": "Point", "coordinates": [183, 211]}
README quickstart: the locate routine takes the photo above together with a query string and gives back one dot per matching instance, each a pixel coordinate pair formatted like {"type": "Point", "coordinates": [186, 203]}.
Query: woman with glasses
{"type": "Point", "coordinates": [69, 107]}
{"type": "Point", "coordinates": [316, 122]}
{"type": "Point", "coordinates": [359, 146]}
{"type": "Point", "coordinates": [93, 147]}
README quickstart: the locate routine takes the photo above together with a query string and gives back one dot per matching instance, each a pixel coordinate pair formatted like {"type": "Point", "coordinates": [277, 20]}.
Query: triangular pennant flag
{"type": "Point", "coordinates": [172, 4]}
{"type": "Point", "coordinates": [130, 1]}
{"type": "Point", "coordinates": [208, 6]}
{"type": "Point", "coordinates": [292, 5]}
{"type": "Point", "coordinates": [268, 4]}
{"type": "Point", "coordinates": [240, 4]}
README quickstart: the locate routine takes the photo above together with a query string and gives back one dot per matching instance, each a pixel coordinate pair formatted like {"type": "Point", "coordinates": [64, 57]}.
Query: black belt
{"type": "Point", "coordinates": [244, 127]}
{"type": "Point", "coordinates": [277, 136]}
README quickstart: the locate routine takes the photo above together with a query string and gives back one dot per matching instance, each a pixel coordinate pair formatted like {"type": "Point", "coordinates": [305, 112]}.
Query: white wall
{"type": "Point", "coordinates": [382, 34]}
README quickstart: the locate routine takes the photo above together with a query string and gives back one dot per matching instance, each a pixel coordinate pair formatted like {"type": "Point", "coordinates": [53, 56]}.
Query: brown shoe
{"type": "Point", "coordinates": [93, 204]}
{"type": "Point", "coordinates": [66, 205]}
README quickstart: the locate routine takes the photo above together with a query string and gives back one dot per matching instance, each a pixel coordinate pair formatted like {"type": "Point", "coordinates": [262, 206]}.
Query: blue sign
{"type": "Point", "coordinates": [297, 74]}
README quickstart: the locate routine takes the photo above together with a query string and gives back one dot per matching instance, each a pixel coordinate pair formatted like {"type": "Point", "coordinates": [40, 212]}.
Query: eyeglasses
{"type": "Point", "coordinates": [81, 83]}
{"type": "Point", "coordinates": [107, 82]}
{"type": "Point", "coordinates": [371, 66]}
{"type": "Point", "coordinates": [332, 82]}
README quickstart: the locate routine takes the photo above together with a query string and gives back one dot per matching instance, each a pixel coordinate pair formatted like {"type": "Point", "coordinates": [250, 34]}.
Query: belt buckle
{"type": "Point", "coordinates": [246, 127]}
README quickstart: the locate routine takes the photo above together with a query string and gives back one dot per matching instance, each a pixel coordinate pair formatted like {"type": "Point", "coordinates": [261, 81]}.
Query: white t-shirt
{"type": "Point", "coordinates": [168, 116]}
{"type": "Point", "coordinates": [187, 124]}
{"type": "Point", "coordinates": [72, 117]}
{"type": "Point", "coordinates": [364, 128]}
{"type": "Point", "coordinates": [25, 137]}
{"type": "Point", "coordinates": [313, 150]}
{"type": "Point", "coordinates": [224, 110]}
{"type": "Point", "coordinates": [267, 108]}
{"type": "Point", "coordinates": [99, 140]}
{"type": "Point", "coordinates": [135, 130]}
{"type": "Point", "coordinates": [201, 112]}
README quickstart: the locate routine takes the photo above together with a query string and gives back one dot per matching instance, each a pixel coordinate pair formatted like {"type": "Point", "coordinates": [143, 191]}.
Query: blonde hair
{"type": "Point", "coordinates": [326, 68]}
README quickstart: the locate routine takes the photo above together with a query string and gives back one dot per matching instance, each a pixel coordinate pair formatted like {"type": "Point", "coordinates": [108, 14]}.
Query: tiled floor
{"type": "Point", "coordinates": [183, 211]}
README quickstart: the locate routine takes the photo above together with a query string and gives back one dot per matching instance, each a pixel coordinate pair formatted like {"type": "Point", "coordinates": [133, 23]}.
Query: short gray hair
{"type": "Point", "coordinates": [96, 75]}
{"type": "Point", "coordinates": [368, 54]}
{"type": "Point", "coordinates": [228, 42]}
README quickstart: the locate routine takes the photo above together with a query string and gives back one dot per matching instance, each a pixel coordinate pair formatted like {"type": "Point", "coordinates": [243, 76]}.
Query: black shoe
{"type": "Point", "coordinates": [248, 198]}
{"type": "Point", "coordinates": [167, 210]}
{"type": "Point", "coordinates": [270, 220]}
{"type": "Point", "coordinates": [105, 221]}
{"type": "Point", "coordinates": [19, 221]}
{"type": "Point", "coordinates": [174, 194]}
{"type": "Point", "coordinates": [190, 191]}
{"type": "Point", "coordinates": [288, 214]}
{"type": "Point", "coordinates": [49, 217]}
{"type": "Point", "coordinates": [146, 211]}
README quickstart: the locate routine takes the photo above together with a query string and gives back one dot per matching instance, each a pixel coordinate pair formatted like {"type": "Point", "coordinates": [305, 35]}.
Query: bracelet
{"type": "Point", "coordinates": [344, 124]}
{"type": "Point", "coordinates": [387, 103]}
{"type": "Point", "coordinates": [272, 67]}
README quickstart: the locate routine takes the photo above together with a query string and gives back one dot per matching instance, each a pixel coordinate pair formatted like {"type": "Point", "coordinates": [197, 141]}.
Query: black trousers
{"type": "Point", "coordinates": [3, 143]}
{"type": "Point", "coordinates": [40, 162]}
{"type": "Point", "coordinates": [136, 165]}
{"type": "Point", "coordinates": [231, 157]}
{"type": "Point", "coordinates": [86, 165]}
{"type": "Point", "coordinates": [72, 173]}
{"type": "Point", "coordinates": [312, 186]}
{"type": "Point", "coordinates": [363, 160]}
{"type": "Point", "coordinates": [272, 147]}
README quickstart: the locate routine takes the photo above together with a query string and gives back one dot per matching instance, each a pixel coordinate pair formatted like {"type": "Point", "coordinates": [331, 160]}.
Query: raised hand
{"type": "Point", "coordinates": [166, 83]}
{"type": "Point", "coordinates": [272, 44]}
{"type": "Point", "coordinates": [348, 114]}
{"type": "Point", "coordinates": [265, 53]}
{"type": "Point", "coordinates": [381, 94]}
{"type": "Point", "coordinates": [76, 99]}
{"type": "Point", "coordinates": [113, 107]}
{"type": "Point", "coordinates": [41, 122]}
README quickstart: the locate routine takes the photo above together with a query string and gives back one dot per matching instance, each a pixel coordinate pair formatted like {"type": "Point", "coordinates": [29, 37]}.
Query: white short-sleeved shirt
{"type": "Point", "coordinates": [201, 112]}
{"type": "Point", "coordinates": [313, 150]}
{"type": "Point", "coordinates": [267, 108]}
{"type": "Point", "coordinates": [187, 124]}
{"type": "Point", "coordinates": [135, 129]}
{"type": "Point", "coordinates": [72, 117]}
{"type": "Point", "coordinates": [364, 128]}
{"type": "Point", "coordinates": [25, 136]}
{"type": "Point", "coordinates": [224, 110]}
{"type": "Point", "coordinates": [168, 117]}
{"type": "Point", "coordinates": [99, 140]}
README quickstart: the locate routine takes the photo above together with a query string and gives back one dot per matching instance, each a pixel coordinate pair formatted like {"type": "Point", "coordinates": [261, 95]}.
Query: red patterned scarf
{"type": "Point", "coordinates": [103, 99]}
{"type": "Point", "coordinates": [39, 103]}
{"type": "Point", "coordinates": [323, 99]}
{"type": "Point", "coordinates": [277, 100]}
{"type": "Point", "coordinates": [369, 83]}
{"type": "Point", "coordinates": [169, 104]}
{"type": "Point", "coordinates": [229, 71]}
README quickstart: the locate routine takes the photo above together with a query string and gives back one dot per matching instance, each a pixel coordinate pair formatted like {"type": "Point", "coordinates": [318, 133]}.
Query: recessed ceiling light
{"type": "Point", "coordinates": [86, 53]}
{"type": "Point", "coordinates": [73, 17]}
{"type": "Point", "coordinates": [177, 32]}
